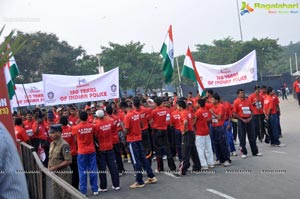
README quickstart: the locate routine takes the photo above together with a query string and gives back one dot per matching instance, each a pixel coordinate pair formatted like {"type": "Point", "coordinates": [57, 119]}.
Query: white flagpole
{"type": "Point", "coordinates": [291, 70]}
{"type": "Point", "coordinates": [296, 62]}
{"type": "Point", "coordinates": [179, 78]}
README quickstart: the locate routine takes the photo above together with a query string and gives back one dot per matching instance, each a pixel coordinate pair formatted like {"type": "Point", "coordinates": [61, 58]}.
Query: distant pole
{"type": "Point", "coordinates": [291, 70]}
{"type": "Point", "coordinates": [240, 24]}
{"type": "Point", "coordinates": [179, 78]}
{"type": "Point", "coordinates": [296, 61]}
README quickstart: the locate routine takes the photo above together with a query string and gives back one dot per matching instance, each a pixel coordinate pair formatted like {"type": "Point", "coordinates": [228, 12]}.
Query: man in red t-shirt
{"type": "Point", "coordinates": [257, 100]}
{"type": "Point", "coordinates": [20, 131]}
{"type": "Point", "coordinates": [105, 155]}
{"type": "Point", "coordinates": [86, 157]}
{"type": "Point", "coordinates": [175, 123]}
{"type": "Point", "coordinates": [218, 133]}
{"type": "Point", "coordinates": [270, 111]}
{"type": "Point", "coordinates": [73, 118]}
{"type": "Point", "coordinates": [189, 149]}
{"type": "Point", "coordinates": [242, 110]}
{"type": "Point", "coordinates": [115, 138]}
{"type": "Point", "coordinates": [296, 87]}
{"type": "Point", "coordinates": [158, 120]}
{"type": "Point", "coordinates": [70, 138]}
{"type": "Point", "coordinates": [132, 124]}
{"type": "Point", "coordinates": [203, 141]}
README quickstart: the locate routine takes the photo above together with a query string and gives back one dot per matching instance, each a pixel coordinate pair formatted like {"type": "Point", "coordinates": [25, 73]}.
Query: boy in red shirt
{"type": "Point", "coordinates": [70, 138]}
{"type": "Point", "coordinates": [175, 123]}
{"type": "Point", "coordinates": [203, 141]}
{"type": "Point", "coordinates": [296, 87]}
{"type": "Point", "coordinates": [188, 139]}
{"type": "Point", "coordinates": [20, 131]}
{"type": "Point", "coordinates": [218, 133]}
{"type": "Point", "coordinates": [132, 123]}
{"type": "Point", "coordinates": [105, 155]}
{"type": "Point", "coordinates": [86, 157]}
{"type": "Point", "coordinates": [242, 110]}
{"type": "Point", "coordinates": [158, 120]}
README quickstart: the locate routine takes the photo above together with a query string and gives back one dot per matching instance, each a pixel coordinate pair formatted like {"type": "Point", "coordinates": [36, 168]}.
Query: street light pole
{"type": "Point", "coordinates": [238, 13]}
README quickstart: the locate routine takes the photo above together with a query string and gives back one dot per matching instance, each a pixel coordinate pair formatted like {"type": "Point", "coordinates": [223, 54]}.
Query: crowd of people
{"type": "Point", "coordinates": [87, 140]}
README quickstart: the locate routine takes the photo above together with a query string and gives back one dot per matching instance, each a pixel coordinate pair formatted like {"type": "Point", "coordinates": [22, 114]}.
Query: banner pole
{"type": "Point", "coordinates": [26, 96]}
{"type": "Point", "coordinates": [153, 69]}
{"type": "Point", "coordinates": [179, 78]}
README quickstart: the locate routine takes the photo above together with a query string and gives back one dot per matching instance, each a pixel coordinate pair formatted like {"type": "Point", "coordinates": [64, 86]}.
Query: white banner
{"type": "Point", "coordinates": [62, 89]}
{"type": "Point", "coordinates": [34, 91]}
{"type": "Point", "coordinates": [240, 72]}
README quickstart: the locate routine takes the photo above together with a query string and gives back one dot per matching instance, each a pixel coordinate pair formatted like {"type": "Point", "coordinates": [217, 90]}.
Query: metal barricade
{"type": "Point", "coordinates": [43, 184]}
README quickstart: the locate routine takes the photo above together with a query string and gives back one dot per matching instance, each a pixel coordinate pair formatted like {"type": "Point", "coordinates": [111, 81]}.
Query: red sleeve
{"type": "Point", "coordinates": [126, 122]}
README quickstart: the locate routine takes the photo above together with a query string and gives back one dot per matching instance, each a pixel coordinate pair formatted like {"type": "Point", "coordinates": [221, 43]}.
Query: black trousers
{"type": "Point", "coordinates": [189, 150]}
{"type": "Point", "coordinates": [146, 140]}
{"type": "Point", "coordinates": [119, 161]}
{"type": "Point", "coordinates": [247, 129]}
{"type": "Point", "coordinates": [259, 126]}
{"type": "Point", "coordinates": [160, 143]}
{"type": "Point", "coordinates": [74, 169]}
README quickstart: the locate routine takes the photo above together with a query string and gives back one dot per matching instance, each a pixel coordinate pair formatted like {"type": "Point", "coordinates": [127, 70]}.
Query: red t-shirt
{"type": "Point", "coordinates": [132, 124]}
{"type": "Point", "coordinates": [28, 127]}
{"type": "Point", "coordinates": [175, 119]}
{"type": "Point", "coordinates": [84, 132]}
{"type": "Point", "coordinates": [269, 104]}
{"type": "Point", "coordinates": [218, 109]}
{"type": "Point", "coordinates": [257, 102]}
{"type": "Point", "coordinates": [73, 120]}
{"type": "Point", "coordinates": [202, 117]}
{"type": "Point", "coordinates": [67, 135]}
{"type": "Point", "coordinates": [114, 128]}
{"type": "Point", "coordinates": [21, 134]}
{"type": "Point", "coordinates": [296, 86]}
{"type": "Point", "coordinates": [121, 116]}
{"type": "Point", "coordinates": [145, 115]}
{"type": "Point", "coordinates": [104, 134]}
{"type": "Point", "coordinates": [242, 108]}
{"type": "Point", "coordinates": [42, 133]}
{"type": "Point", "coordinates": [186, 115]}
{"type": "Point", "coordinates": [228, 111]}
{"type": "Point", "coordinates": [90, 119]}
{"type": "Point", "coordinates": [159, 117]}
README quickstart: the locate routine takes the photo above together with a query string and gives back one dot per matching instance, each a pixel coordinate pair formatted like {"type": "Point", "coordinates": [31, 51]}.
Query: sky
{"type": "Point", "coordinates": [95, 23]}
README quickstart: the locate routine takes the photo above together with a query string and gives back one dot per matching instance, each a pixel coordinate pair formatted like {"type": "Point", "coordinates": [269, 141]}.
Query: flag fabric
{"type": "Point", "coordinates": [189, 70]}
{"type": "Point", "coordinates": [167, 51]}
{"type": "Point", "coordinates": [11, 71]}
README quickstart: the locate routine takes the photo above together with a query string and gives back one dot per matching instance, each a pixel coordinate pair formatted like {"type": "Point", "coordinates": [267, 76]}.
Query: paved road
{"type": "Point", "coordinates": [275, 175]}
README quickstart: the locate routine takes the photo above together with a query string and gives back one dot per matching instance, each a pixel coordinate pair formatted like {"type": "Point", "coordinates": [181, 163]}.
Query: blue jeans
{"type": "Point", "coordinates": [274, 137]}
{"type": "Point", "coordinates": [220, 143]}
{"type": "Point", "coordinates": [139, 161]}
{"type": "Point", "coordinates": [107, 158]}
{"type": "Point", "coordinates": [229, 136]}
{"type": "Point", "coordinates": [87, 164]}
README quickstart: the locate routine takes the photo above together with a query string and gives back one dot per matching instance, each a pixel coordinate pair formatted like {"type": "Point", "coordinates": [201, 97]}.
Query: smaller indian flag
{"type": "Point", "coordinates": [11, 71]}
{"type": "Point", "coordinates": [167, 52]}
{"type": "Point", "coordinates": [189, 70]}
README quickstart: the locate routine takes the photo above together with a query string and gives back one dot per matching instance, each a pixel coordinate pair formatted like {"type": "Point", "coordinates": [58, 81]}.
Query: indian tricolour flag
{"type": "Point", "coordinates": [11, 71]}
{"type": "Point", "coordinates": [189, 70]}
{"type": "Point", "coordinates": [167, 51]}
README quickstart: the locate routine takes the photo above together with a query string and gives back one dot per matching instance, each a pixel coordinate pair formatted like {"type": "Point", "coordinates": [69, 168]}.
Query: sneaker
{"type": "Point", "coordinates": [211, 166]}
{"type": "Point", "coordinates": [259, 154]}
{"type": "Point", "coordinates": [234, 153]}
{"type": "Point", "coordinates": [157, 171]}
{"type": "Point", "coordinates": [151, 180]}
{"type": "Point", "coordinates": [115, 188]}
{"type": "Point", "coordinates": [226, 163]}
{"type": "Point", "coordinates": [101, 190]}
{"type": "Point", "coordinates": [204, 168]}
{"type": "Point", "coordinates": [280, 145]}
{"type": "Point", "coordinates": [129, 160]}
{"type": "Point", "coordinates": [164, 157]}
{"type": "Point", "coordinates": [244, 156]}
{"type": "Point", "coordinates": [96, 193]}
{"type": "Point", "coordinates": [136, 185]}
{"type": "Point", "coordinates": [217, 162]}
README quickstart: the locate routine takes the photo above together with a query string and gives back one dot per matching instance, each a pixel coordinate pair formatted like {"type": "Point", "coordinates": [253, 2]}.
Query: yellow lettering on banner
{"type": "Point", "coordinates": [4, 111]}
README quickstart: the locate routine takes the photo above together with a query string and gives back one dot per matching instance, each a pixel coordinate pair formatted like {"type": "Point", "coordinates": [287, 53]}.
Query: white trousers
{"type": "Point", "coordinates": [204, 149]}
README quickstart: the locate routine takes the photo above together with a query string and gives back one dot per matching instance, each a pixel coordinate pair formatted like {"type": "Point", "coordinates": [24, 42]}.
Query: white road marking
{"type": "Point", "coordinates": [220, 194]}
{"type": "Point", "coordinates": [170, 174]}
{"type": "Point", "coordinates": [281, 152]}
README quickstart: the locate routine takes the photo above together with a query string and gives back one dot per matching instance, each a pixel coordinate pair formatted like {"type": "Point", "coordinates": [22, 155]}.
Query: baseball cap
{"type": "Point", "coordinates": [99, 113]}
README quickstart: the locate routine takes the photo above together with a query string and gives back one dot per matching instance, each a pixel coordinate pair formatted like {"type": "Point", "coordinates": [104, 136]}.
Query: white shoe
{"type": "Point", "coordinates": [217, 162]}
{"type": "Point", "coordinates": [226, 163]}
{"type": "Point", "coordinates": [259, 154]}
{"type": "Point", "coordinates": [96, 193]}
{"type": "Point", "coordinates": [234, 153]}
{"type": "Point", "coordinates": [115, 188]}
{"type": "Point", "coordinates": [244, 156]}
{"type": "Point", "coordinates": [101, 190]}
{"type": "Point", "coordinates": [281, 145]}
{"type": "Point", "coordinates": [211, 166]}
